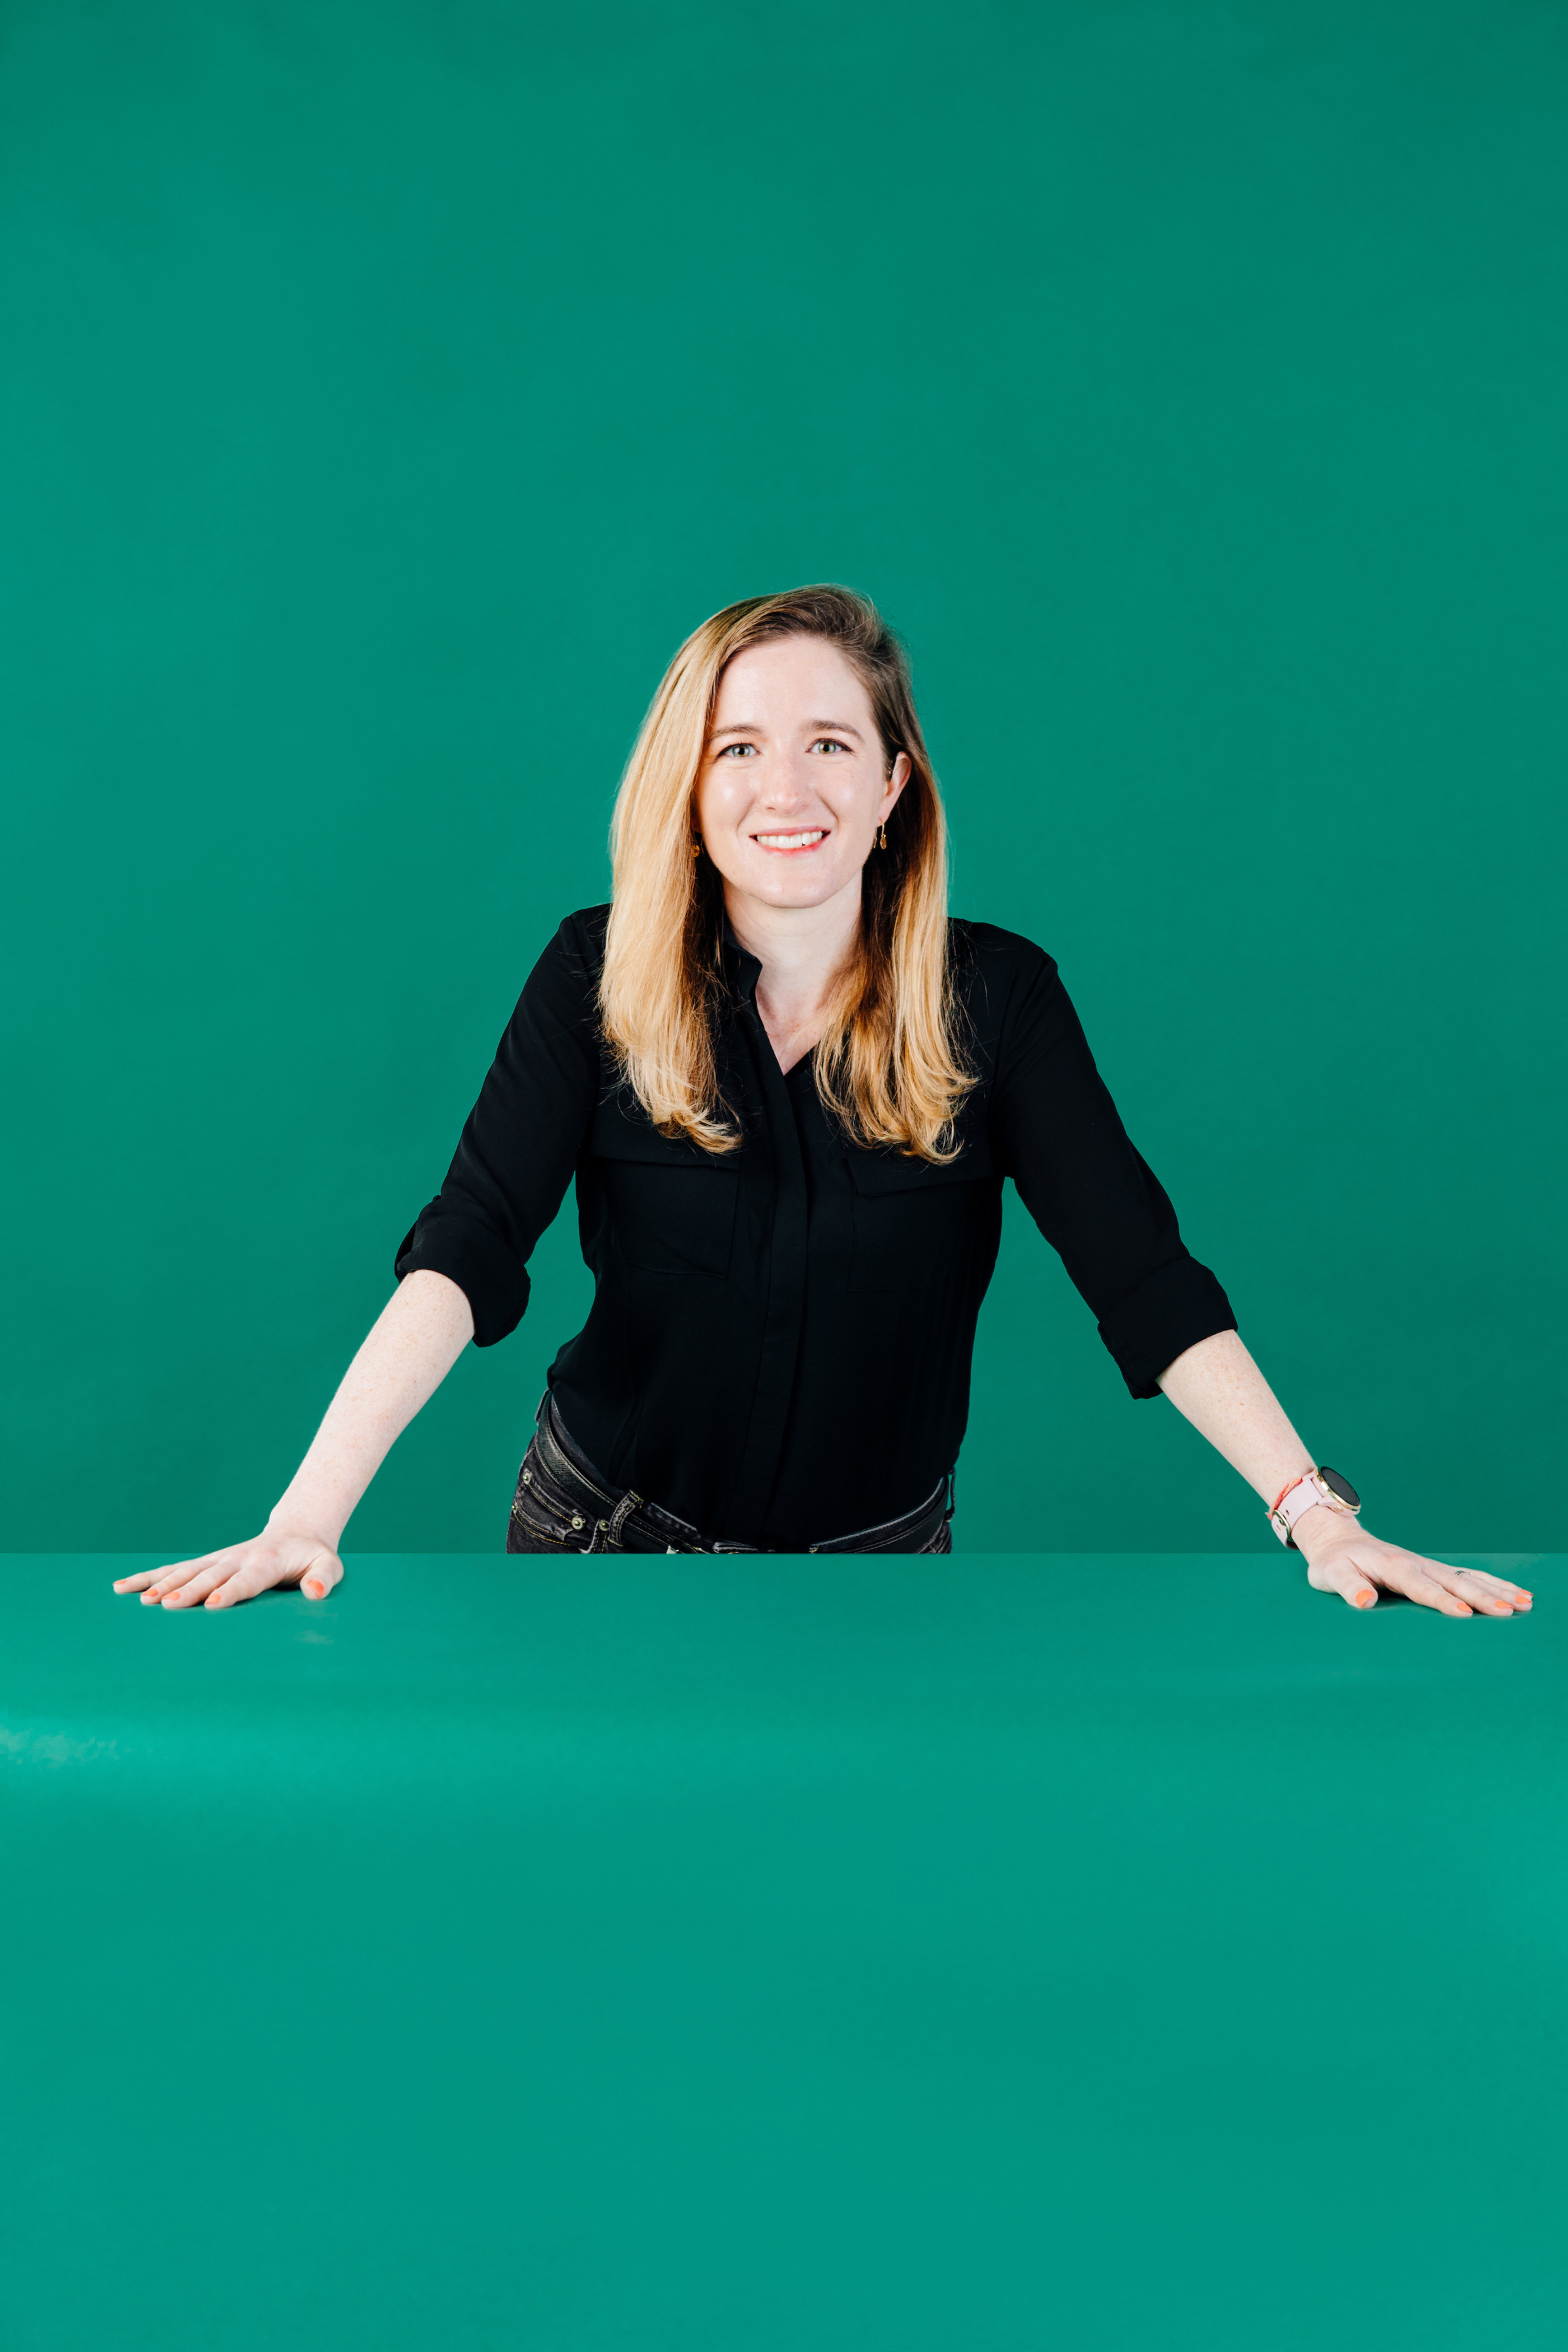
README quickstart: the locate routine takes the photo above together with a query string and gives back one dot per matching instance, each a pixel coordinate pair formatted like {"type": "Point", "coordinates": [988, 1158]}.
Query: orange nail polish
{"type": "Point", "coordinates": [1363, 1598]}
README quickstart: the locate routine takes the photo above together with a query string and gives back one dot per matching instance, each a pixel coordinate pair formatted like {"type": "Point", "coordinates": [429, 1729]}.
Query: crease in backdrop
{"type": "Point", "coordinates": [386, 389]}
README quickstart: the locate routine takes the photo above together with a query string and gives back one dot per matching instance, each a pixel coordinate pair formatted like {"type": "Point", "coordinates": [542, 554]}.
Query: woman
{"type": "Point", "coordinates": [789, 1089]}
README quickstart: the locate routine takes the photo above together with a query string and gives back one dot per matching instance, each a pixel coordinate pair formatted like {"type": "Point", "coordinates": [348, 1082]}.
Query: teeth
{"type": "Point", "coordinates": [789, 840]}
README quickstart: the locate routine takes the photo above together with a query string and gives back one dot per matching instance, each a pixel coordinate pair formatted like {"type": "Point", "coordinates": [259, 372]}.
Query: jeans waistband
{"type": "Point", "coordinates": [618, 1519]}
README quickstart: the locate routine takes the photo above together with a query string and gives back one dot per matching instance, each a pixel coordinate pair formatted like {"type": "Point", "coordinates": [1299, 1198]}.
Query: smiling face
{"type": "Point", "coordinates": [793, 781]}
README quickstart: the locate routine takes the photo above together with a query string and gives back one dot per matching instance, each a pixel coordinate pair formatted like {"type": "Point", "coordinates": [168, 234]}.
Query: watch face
{"type": "Point", "coordinates": [1338, 1486]}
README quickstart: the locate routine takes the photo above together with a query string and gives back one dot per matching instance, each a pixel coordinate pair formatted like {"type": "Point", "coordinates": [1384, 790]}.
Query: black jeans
{"type": "Point", "coordinates": [563, 1504]}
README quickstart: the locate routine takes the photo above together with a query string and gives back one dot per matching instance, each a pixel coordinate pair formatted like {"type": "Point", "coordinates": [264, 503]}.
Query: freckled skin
{"type": "Point", "coordinates": [794, 747]}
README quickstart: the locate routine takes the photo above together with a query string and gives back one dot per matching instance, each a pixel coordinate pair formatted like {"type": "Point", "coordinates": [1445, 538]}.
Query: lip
{"type": "Point", "coordinates": [800, 843]}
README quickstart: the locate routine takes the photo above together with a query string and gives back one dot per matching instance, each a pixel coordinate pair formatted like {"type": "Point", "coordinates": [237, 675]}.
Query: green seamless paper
{"type": "Point", "coordinates": [1100, 1950]}
{"type": "Point", "coordinates": [387, 390]}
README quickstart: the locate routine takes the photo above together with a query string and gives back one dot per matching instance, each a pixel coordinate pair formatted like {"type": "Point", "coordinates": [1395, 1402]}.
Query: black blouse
{"type": "Point", "coordinates": [779, 1346]}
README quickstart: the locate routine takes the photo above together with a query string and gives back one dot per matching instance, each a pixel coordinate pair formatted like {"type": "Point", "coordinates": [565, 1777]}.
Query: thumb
{"type": "Point", "coordinates": [1342, 1576]}
{"type": "Point", "coordinates": [321, 1576]}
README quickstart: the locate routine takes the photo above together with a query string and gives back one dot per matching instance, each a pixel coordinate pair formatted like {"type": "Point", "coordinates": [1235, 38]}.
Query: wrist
{"type": "Point", "coordinates": [1322, 1527]}
{"type": "Point", "coordinates": [291, 1516]}
{"type": "Point", "coordinates": [1321, 1493]}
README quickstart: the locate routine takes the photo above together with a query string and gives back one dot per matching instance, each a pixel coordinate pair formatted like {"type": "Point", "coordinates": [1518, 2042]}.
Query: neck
{"type": "Point", "coordinates": [802, 951]}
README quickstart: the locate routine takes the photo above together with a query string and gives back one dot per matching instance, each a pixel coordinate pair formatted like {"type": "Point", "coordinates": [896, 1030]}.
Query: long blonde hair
{"type": "Point", "coordinates": [887, 1066]}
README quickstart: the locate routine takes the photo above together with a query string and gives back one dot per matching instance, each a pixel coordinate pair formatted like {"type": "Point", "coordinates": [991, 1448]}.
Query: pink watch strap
{"type": "Point", "coordinates": [1301, 1495]}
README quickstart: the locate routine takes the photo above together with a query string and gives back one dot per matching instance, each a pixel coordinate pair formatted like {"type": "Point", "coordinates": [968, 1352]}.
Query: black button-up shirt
{"type": "Point", "coordinates": [779, 1346]}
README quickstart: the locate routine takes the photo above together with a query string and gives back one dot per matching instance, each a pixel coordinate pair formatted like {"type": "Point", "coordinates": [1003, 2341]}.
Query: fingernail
{"type": "Point", "coordinates": [315, 1590]}
{"type": "Point", "coordinates": [1363, 1598]}
{"type": "Point", "coordinates": [1465, 1610]}
{"type": "Point", "coordinates": [1526, 1597]}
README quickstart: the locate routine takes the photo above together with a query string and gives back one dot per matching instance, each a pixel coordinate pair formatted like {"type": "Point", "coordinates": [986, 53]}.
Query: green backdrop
{"type": "Point", "coordinates": [388, 387]}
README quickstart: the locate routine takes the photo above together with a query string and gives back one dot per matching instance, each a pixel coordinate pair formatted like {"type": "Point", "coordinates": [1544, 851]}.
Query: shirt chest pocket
{"type": "Point", "coordinates": [913, 1220]}
{"type": "Point", "coordinates": [669, 1209]}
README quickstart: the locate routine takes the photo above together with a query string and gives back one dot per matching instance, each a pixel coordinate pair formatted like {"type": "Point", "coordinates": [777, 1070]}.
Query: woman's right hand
{"type": "Point", "coordinates": [241, 1571]}
{"type": "Point", "coordinates": [412, 1345]}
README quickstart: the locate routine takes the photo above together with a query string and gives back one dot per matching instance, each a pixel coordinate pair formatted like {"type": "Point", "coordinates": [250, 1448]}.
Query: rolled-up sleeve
{"type": "Point", "coordinates": [519, 1143]}
{"type": "Point", "coordinates": [1093, 1196]}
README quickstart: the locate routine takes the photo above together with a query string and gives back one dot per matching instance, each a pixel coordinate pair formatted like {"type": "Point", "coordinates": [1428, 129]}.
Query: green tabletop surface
{"type": "Point", "coordinates": [988, 1952]}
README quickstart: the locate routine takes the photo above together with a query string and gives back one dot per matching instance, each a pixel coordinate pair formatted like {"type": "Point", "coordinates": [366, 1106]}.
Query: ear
{"type": "Point", "coordinates": [903, 769]}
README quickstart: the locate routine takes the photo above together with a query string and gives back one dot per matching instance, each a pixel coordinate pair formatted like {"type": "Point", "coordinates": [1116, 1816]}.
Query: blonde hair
{"type": "Point", "coordinates": [888, 1065]}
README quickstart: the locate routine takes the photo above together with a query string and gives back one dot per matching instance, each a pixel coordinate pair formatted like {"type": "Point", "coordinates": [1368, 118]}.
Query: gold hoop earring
{"type": "Point", "coordinates": [881, 836]}
{"type": "Point", "coordinates": [696, 848]}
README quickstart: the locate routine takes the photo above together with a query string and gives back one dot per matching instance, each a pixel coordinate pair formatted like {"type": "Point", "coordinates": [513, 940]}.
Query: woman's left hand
{"type": "Point", "coordinates": [1343, 1558]}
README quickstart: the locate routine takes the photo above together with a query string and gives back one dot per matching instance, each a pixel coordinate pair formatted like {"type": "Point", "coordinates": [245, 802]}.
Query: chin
{"type": "Point", "coordinates": [802, 884]}
{"type": "Point", "coordinates": [798, 890]}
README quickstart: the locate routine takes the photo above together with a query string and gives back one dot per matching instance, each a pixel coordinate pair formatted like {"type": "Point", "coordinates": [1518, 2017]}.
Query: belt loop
{"type": "Point", "coordinates": [628, 1502]}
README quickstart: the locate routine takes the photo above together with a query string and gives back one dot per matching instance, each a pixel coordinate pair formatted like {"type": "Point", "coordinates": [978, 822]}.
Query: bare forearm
{"type": "Point", "coordinates": [1221, 1391]}
{"type": "Point", "coordinates": [408, 1353]}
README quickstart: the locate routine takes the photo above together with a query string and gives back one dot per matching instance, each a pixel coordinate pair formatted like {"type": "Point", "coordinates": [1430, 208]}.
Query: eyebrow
{"type": "Point", "coordinates": [751, 726]}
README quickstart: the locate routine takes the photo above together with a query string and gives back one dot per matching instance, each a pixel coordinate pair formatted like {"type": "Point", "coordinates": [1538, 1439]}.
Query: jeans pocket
{"type": "Point", "coordinates": [523, 1534]}
{"type": "Point", "coordinates": [545, 1516]}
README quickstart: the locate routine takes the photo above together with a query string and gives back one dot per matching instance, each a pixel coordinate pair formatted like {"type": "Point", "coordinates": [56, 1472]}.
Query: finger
{"type": "Point", "coordinates": [1476, 1592]}
{"type": "Point", "coordinates": [319, 1578]}
{"type": "Point", "coordinates": [1479, 1583]}
{"type": "Point", "coordinates": [195, 1589]}
{"type": "Point", "coordinates": [246, 1576]}
{"type": "Point", "coordinates": [1424, 1581]}
{"type": "Point", "coordinates": [1342, 1576]}
{"type": "Point", "coordinates": [169, 1580]}
{"type": "Point", "coordinates": [1485, 1594]}
{"type": "Point", "coordinates": [152, 1584]}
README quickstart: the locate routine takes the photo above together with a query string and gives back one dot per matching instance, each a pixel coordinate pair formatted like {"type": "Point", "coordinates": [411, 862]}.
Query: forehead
{"type": "Point", "coordinates": [791, 679]}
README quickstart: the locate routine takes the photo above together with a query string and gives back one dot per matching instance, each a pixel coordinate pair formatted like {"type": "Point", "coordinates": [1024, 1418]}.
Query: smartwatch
{"type": "Point", "coordinates": [1304, 1493]}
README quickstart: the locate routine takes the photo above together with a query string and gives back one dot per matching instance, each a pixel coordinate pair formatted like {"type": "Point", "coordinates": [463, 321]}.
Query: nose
{"type": "Point", "coordinates": [788, 788]}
